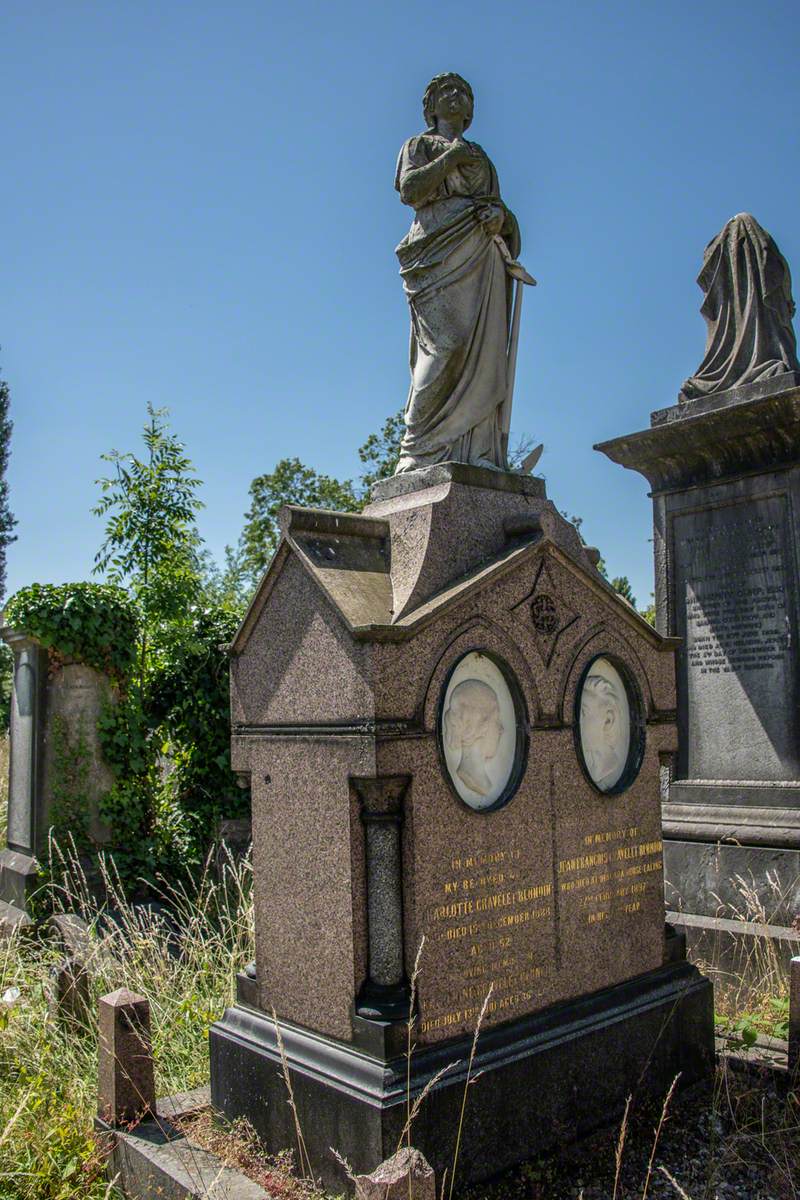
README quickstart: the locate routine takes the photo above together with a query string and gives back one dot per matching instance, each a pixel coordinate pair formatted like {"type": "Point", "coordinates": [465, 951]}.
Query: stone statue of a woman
{"type": "Point", "coordinates": [457, 262]}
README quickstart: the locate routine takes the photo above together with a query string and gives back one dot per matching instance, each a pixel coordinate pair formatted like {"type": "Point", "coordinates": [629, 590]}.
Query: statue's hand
{"type": "Point", "coordinates": [457, 153]}
{"type": "Point", "coordinates": [492, 219]}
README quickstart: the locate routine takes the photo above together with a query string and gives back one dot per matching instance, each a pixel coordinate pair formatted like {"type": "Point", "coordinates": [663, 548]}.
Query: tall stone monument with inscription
{"type": "Point", "coordinates": [453, 729]}
{"type": "Point", "coordinates": [724, 466]}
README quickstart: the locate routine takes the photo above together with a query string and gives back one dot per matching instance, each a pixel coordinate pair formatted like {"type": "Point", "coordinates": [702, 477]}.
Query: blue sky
{"type": "Point", "coordinates": [197, 209]}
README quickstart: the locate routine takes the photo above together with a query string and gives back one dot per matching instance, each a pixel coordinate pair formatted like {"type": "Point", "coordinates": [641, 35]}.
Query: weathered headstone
{"type": "Point", "coordinates": [18, 867]}
{"type": "Point", "coordinates": [125, 1076]}
{"type": "Point", "coordinates": [57, 771]}
{"type": "Point", "coordinates": [724, 468]}
{"type": "Point", "coordinates": [453, 729]}
{"type": "Point", "coordinates": [69, 994]}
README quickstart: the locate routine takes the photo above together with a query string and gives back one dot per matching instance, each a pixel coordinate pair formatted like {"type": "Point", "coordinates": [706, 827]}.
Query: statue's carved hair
{"type": "Point", "coordinates": [601, 688]}
{"type": "Point", "coordinates": [429, 99]}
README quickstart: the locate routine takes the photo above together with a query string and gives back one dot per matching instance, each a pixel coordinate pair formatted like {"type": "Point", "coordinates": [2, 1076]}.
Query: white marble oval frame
{"type": "Point", "coordinates": [481, 731]}
{"type": "Point", "coordinates": [619, 766]}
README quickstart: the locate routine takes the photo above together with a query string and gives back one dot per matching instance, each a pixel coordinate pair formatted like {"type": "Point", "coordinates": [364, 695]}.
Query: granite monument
{"type": "Point", "coordinates": [453, 729]}
{"type": "Point", "coordinates": [724, 467]}
{"type": "Point", "coordinates": [467, 774]}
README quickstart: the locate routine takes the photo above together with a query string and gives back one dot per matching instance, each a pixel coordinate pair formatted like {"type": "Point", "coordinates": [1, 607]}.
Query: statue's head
{"type": "Point", "coordinates": [444, 83]}
{"type": "Point", "coordinates": [602, 726]}
{"type": "Point", "coordinates": [473, 718]}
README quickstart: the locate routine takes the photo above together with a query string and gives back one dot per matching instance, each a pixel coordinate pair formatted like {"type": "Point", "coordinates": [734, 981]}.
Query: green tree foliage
{"type": "Point", "coordinates": [190, 698]}
{"type": "Point", "coordinates": [622, 585]}
{"type": "Point", "coordinates": [169, 744]}
{"type": "Point", "coordinates": [151, 541]}
{"type": "Point", "coordinates": [7, 520]}
{"type": "Point", "coordinates": [7, 523]}
{"type": "Point", "coordinates": [6, 684]}
{"type": "Point", "coordinates": [649, 613]}
{"type": "Point", "coordinates": [380, 453]}
{"type": "Point", "coordinates": [230, 585]}
{"type": "Point", "coordinates": [291, 482]}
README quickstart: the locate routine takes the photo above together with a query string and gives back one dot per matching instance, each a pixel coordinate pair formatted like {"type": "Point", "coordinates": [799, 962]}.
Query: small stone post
{"type": "Point", "coordinates": [793, 1058]}
{"type": "Point", "coordinates": [126, 1085]}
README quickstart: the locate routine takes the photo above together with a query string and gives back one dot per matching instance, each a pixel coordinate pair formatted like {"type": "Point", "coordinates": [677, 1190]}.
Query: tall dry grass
{"type": "Point", "coordinates": [183, 956]}
{"type": "Point", "coordinates": [751, 988]}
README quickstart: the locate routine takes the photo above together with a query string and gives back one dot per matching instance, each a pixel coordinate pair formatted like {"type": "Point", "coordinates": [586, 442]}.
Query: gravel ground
{"type": "Point", "coordinates": [739, 1140]}
{"type": "Point", "coordinates": [736, 1140]}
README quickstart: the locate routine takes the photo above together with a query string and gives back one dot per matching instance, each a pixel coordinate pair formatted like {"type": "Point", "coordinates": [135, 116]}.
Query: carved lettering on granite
{"type": "Point", "coordinates": [735, 611]}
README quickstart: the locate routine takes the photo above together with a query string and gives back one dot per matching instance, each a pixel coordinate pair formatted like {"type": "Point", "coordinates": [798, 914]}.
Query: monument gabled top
{"type": "Point", "coordinates": [349, 557]}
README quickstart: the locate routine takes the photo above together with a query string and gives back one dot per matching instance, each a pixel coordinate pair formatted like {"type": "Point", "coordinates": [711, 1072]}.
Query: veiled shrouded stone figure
{"type": "Point", "coordinates": [748, 310]}
{"type": "Point", "coordinates": [457, 266]}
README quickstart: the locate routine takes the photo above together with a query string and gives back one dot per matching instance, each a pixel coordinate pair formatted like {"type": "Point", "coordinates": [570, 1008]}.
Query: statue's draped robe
{"type": "Point", "coordinates": [748, 309]}
{"type": "Point", "coordinates": [459, 294]}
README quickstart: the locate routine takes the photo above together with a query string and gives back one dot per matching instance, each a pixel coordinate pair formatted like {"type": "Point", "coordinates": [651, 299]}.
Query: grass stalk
{"type": "Point", "coordinates": [305, 1162]}
{"type": "Point", "coordinates": [409, 1034]}
{"type": "Point", "coordinates": [683, 1195]}
{"type": "Point", "coordinates": [467, 1081]}
{"type": "Point", "coordinates": [660, 1126]}
{"type": "Point", "coordinates": [620, 1147]}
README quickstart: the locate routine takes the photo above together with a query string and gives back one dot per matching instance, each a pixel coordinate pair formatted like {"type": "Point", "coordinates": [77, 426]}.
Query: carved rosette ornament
{"type": "Point", "coordinates": [548, 616]}
{"type": "Point", "coordinates": [544, 614]}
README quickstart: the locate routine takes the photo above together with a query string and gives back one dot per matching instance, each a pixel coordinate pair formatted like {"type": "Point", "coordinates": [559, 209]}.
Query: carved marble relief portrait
{"type": "Point", "coordinates": [604, 724]}
{"type": "Point", "coordinates": [481, 734]}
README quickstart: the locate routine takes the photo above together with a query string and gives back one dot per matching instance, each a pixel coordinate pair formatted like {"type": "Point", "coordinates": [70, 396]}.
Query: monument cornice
{"type": "Point", "coordinates": [688, 447]}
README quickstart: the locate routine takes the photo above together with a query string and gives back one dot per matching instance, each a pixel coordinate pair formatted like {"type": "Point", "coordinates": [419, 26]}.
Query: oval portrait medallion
{"type": "Point", "coordinates": [482, 734]}
{"type": "Point", "coordinates": [609, 728]}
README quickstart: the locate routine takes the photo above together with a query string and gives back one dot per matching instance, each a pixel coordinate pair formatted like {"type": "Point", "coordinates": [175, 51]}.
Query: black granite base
{"type": "Point", "coordinates": [544, 1080]}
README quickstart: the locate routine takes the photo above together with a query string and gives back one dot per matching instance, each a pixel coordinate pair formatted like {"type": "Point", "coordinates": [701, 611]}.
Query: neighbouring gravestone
{"type": "Point", "coordinates": [453, 729]}
{"type": "Point", "coordinates": [724, 467]}
{"type": "Point", "coordinates": [57, 772]}
{"type": "Point", "coordinates": [69, 994]}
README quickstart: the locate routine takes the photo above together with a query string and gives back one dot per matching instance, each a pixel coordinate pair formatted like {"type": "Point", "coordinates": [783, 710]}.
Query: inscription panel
{"type": "Point", "coordinates": [493, 926]}
{"type": "Point", "coordinates": [734, 597]}
{"type": "Point", "coordinates": [497, 924]}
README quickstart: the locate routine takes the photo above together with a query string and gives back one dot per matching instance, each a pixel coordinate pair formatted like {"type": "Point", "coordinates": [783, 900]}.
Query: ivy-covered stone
{"type": "Point", "coordinates": [93, 623]}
